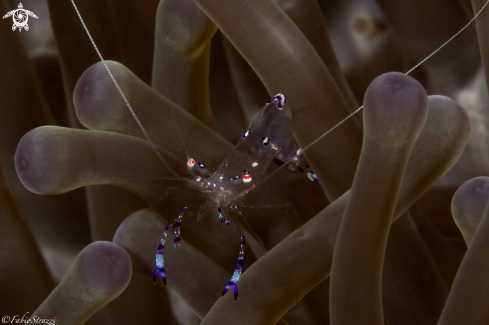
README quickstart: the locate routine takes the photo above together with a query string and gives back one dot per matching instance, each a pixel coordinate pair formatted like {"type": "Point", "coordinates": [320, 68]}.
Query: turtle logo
{"type": "Point", "coordinates": [20, 16]}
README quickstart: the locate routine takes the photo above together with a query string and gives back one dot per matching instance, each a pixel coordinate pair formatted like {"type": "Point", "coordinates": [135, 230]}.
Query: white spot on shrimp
{"type": "Point", "coordinates": [312, 177]}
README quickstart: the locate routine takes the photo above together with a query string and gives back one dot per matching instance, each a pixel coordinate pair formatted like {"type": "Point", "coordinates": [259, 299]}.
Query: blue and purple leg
{"type": "Point", "coordinates": [178, 224]}
{"type": "Point", "coordinates": [237, 272]}
{"type": "Point", "coordinates": [160, 263]}
{"type": "Point", "coordinates": [221, 217]}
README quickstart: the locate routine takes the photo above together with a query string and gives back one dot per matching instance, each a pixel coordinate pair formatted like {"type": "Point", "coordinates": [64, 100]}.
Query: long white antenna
{"type": "Point", "coordinates": [146, 135]}
{"type": "Point", "coordinates": [451, 38]}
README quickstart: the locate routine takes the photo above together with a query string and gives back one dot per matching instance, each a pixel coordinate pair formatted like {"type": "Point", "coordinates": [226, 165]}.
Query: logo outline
{"type": "Point", "coordinates": [20, 16]}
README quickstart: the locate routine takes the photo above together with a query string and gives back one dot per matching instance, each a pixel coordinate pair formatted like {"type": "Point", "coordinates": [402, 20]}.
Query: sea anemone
{"type": "Point", "coordinates": [195, 72]}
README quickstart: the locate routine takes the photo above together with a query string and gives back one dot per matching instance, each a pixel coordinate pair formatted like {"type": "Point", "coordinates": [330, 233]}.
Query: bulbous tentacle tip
{"type": "Point", "coordinates": [105, 262]}
{"type": "Point", "coordinates": [92, 94]}
{"type": "Point", "coordinates": [396, 102]}
{"type": "Point", "coordinates": [23, 162]}
{"type": "Point", "coordinates": [34, 158]}
{"type": "Point", "coordinates": [468, 205]}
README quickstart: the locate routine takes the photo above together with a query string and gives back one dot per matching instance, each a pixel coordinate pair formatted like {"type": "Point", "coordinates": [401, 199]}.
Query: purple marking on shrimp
{"type": "Point", "coordinates": [221, 217]}
{"type": "Point", "coordinates": [227, 287]}
{"type": "Point", "coordinates": [231, 284]}
{"type": "Point", "coordinates": [161, 271]}
{"type": "Point", "coordinates": [201, 165]}
{"type": "Point", "coordinates": [160, 267]}
{"type": "Point", "coordinates": [160, 263]}
{"type": "Point", "coordinates": [176, 239]}
{"type": "Point", "coordinates": [278, 161]}
{"type": "Point", "coordinates": [237, 272]}
{"type": "Point", "coordinates": [161, 247]}
{"type": "Point", "coordinates": [265, 141]}
{"type": "Point", "coordinates": [178, 223]}
{"type": "Point", "coordinates": [246, 134]}
{"type": "Point", "coordinates": [281, 100]}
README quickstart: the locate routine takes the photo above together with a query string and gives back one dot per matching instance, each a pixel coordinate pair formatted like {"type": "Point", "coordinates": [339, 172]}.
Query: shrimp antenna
{"type": "Point", "coordinates": [146, 135]}
{"type": "Point", "coordinates": [301, 151]}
